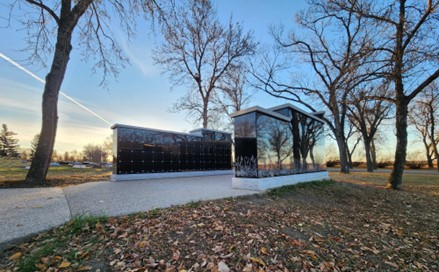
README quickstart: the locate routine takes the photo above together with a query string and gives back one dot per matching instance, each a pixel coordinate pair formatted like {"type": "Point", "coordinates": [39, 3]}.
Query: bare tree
{"type": "Point", "coordinates": [55, 156]}
{"type": "Point", "coordinates": [408, 46]}
{"type": "Point", "coordinates": [423, 117]}
{"type": "Point", "coordinates": [352, 135]}
{"type": "Point", "coordinates": [50, 29]}
{"type": "Point", "coordinates": [93, 153]}
{"type": "Point", "coordinates": [233, 93]}
{"type": "Point", "coordinates": [75, 155]}
{"type": "Point", "coordinates": [107, 147]}
{"type": "Point", "coordinates": [366, 115]}
{"type": "Point", "coordinates": [198, 52]}
{"type": "Point", "coordinates": [338, 63]}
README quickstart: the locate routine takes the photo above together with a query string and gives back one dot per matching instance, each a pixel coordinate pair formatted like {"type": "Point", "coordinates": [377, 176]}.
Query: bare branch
{"type": "Point", "coordinates": [46, 8]}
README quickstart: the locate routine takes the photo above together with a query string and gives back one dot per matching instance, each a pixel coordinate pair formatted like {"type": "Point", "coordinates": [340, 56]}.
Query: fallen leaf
{"type": "Point", "coordinates": [176, 255]}
{"type": "Point", "coordinates": [248, 268]}
{"type": "Point", "coordinates": [264, 250]}
{"type": "Point", "coordinates": [41, 266]}
{"type": "Point", "coordinates": [143, 244]}
{"type": "Point", "coordinates": [85, 268]}
{"type": "Point", "coordinates": [310, 253]}
{"type": "Point", "coordinates": [392, 264]}
{"type": "Point", "coordinates": [297, 243]}
{"type": "Point", "coordinates": [373, 250]}
{"type": "Point", "coordinates": [222, 267]}
{"type": "Point", "coordinates": [64, 264]}
{"type": "Point", "coordinates": [420, 266]}
{"type": "Point", "coordinates": [295, 259]}
{"type": "Point", "coordinates": [15, 256]}
{"type": "Point", "coordinates": [318, 239]}
{"type": "Point", "coordinates": [226, 256]}
{"type": "Point", "coordinates": [257, 260]}
{"type": "Point", "coordinates": [124, 235]}
{"type": "Point", "coordinates": [121, 265]}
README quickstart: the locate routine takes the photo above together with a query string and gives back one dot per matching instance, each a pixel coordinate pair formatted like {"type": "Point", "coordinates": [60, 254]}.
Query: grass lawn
{"type": "Point", "coordinates": [13, 173]}
{"type": "Point", "coordinates": [350, 224]}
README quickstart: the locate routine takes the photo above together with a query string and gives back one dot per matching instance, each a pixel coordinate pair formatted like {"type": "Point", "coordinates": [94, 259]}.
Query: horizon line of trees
{"type": "Point", "coordinates": [92, 152]}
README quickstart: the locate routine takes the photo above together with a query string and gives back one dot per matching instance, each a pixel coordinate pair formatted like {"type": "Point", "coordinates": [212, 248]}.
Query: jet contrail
{"type": "Point", "coordinates": [44, 82]}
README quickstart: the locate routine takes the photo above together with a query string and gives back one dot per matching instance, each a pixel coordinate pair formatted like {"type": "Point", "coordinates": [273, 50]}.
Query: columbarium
{"type": "Point", "coordinates": [144, 153]}
{"type": "Point", "coordinates": [278, 146]}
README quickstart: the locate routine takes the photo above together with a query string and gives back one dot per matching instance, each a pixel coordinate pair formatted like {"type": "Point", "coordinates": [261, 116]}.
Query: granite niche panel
{"type": "Point", "coordinates": [142, 150]}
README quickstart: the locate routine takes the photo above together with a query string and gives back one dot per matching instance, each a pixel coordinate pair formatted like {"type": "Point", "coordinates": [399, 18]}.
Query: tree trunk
{"type": "Point", "coordinates": [373, 154]}
{"type": "Point", "coordinates": [433, 135]}
{"type": "Point", "coordinates": [367, 149]}
{"type": "Point", "coordinates": [436, 153]}
{"type": "Point", "coordinates": [344, 165]}
{"type": "Point", "coordinates": [40, 163]}
{"type": "Point", "coordinates": [429, 156]}
{"type": "Point", "coordinates": [348, 155]}
{"type": "Point", "coordinates": [205, 113]}
{"type": "Point", "coordinates": [395, 180]}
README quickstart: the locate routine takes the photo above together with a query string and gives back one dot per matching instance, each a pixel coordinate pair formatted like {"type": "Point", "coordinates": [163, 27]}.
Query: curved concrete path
{"type": "Point", "coordinates": [25, 212]}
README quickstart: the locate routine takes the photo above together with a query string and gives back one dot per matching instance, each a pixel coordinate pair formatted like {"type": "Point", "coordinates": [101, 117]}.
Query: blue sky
{"type": "Point", "coordinates": [141, 95]}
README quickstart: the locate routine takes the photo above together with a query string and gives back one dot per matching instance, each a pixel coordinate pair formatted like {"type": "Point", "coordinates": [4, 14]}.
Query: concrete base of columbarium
{"type": "Point", "coordinates": [147, 176]}
{"type": "Point", "coordinates": [261, 184]}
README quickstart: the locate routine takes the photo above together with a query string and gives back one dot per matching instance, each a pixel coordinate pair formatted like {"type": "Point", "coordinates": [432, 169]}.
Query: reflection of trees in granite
{"type": "Point", "coordinates": [274, 145]}
{"type": "Point", "coordinates": [246, 167]}
{"type": "Point", "coordinates": [279, 147]}
{"type": "Point", "coordinates": [245, 126]}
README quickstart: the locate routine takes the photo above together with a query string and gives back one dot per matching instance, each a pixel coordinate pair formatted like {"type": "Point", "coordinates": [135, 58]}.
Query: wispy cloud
{"type": "Point", "coordinates": [139, 56]}
{"type": "Point", "coordinates": [11, 104]}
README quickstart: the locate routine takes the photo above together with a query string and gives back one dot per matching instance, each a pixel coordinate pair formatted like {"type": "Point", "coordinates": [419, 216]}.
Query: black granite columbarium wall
{"type": "Point", "coordinates": [279, 141]}
{"type": "Point", "coordinates": [142, 150]}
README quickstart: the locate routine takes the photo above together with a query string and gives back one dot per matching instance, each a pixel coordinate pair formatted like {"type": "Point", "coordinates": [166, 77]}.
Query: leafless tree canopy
{"type": "Point", "coordinates": [366, 115]}
{"type": "Point", "coordinates": [53, 27]}
{"type": "Point", "coordinates": [423, 116]}
{"type": "Point", "coordinates": [198, 52]}
{"type": "Point", "coordinates": [233, 94]}
{"type": "Point", "coordinates": [407, 46]}
{"type": "Point", "coordinates": [336, 51]}
{"type": "Point", "coordinates": [92, 26]}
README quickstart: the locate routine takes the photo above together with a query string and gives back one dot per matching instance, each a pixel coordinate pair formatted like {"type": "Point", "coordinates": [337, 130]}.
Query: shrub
{"type": "Point", "coordinates": [383, 164]}
{"type": "Point", "coordinates": [415, 164]}
{"type": "Point", "coordinates": [356, 163]}
{"type": "Point", "coordinates": [332, 163]}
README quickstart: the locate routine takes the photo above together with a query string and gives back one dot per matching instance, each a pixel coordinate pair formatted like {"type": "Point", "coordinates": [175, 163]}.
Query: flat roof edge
{"type": "Point", "coordinates": [208, 129]}
{"type": "Point", "coordinates": [262, 110]}
{"type": "Point", "coordinates": [309, 114]}
{"type": "Point", "coordinates": [152, 129]}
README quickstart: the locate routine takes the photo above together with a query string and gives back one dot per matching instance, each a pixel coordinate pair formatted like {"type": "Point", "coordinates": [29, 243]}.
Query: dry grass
{"type": "Point", "coordinates": [13, 173]}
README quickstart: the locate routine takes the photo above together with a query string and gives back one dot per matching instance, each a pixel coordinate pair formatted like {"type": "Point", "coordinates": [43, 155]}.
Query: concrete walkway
{"type": "Point", "coordinates": [25, 212]}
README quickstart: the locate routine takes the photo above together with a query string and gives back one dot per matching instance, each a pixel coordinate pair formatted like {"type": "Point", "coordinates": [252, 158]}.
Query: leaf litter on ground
{"type": "Point", "coordinates": [329, 226]}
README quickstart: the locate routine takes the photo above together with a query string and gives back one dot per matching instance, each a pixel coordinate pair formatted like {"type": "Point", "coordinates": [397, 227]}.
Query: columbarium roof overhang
{"type": "Point", "coordinates": [261, 110]}
{"type": "Point", "coordinates": [313, 115]}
